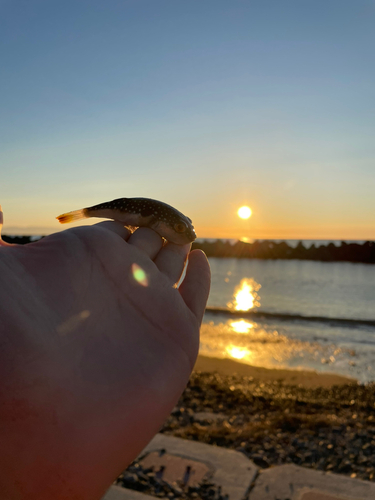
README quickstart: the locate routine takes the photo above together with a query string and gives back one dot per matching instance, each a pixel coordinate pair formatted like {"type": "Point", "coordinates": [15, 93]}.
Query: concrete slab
{"type": "Point", "coordinates": [229, 469]}
{"type": "Point", "coordinates": [173, 469]}
{"type": "Point", "coordinates": [118, 493]}
{"type": "Point", "coordinates": [298, 483]}
{"type": "Point", "coordinates": [318, 495]}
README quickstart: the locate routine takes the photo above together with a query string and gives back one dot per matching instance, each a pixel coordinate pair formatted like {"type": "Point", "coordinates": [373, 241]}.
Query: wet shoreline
{"type": "Point", "coordinates": [257, 314]}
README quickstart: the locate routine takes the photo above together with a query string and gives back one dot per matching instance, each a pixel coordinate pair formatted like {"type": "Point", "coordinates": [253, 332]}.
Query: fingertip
{"type": "Point", "coordinates": [199, 254]}
{"type": "Point", "coordinates": [198, 259]}
{"type": "Point", "coordinates": [171, 260]}
{"type": "Point", "coordinates": [196, 286]}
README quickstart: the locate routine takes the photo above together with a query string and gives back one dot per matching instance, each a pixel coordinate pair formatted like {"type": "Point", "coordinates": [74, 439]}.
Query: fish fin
{"type": "Point", "coordinates": [71, 216]}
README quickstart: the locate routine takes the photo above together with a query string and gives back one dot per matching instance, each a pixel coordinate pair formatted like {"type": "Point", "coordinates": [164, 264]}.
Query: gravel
{"type": "Point", "coordinates": [272, 424]}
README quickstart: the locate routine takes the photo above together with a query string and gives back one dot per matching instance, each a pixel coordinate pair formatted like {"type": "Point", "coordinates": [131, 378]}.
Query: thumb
{"type": "Point", "coordinates": [2, 242]}
{"type": "Point", "coordinates": [196, 286]}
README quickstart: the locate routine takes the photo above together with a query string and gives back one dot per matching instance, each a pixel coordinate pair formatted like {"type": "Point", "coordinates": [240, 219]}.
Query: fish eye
{"type": "Point", "coordinates": [180, 227]}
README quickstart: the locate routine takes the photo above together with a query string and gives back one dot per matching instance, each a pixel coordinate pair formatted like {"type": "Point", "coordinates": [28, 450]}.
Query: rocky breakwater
{"type": "Point", "coordinates": [345, 252]}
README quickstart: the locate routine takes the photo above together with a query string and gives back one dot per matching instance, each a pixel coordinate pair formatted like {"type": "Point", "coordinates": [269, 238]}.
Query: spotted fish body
{"type": "Point", "coordinates": [140, 212]}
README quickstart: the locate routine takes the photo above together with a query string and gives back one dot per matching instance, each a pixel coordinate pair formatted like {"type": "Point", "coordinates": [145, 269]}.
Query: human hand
{"type": "Point", "coordinates": [92, 360]}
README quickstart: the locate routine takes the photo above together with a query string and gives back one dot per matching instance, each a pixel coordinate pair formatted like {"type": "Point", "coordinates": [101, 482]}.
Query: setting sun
{"type": "Point", "coordinates": [244, 212]}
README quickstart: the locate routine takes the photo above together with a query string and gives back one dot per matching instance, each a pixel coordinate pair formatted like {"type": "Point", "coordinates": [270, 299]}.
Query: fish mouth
{"type": "Point", "coordinates": [193, 235]}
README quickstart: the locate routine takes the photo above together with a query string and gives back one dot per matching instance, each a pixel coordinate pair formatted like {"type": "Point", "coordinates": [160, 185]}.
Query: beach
{"type": "Point", "coordinates": [320, 421]}
{"type": "Point", "coordinates": [315, 420]}
{"type": "Point", "coordinates": [304, 378]}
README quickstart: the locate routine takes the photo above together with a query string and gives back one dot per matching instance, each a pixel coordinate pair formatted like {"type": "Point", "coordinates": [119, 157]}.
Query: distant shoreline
{"type": "Point", "coordinates": [269, 249]}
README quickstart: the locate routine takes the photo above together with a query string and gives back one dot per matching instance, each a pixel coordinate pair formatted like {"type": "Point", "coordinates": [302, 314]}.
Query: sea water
{"type": "Point", "coordinates": [317, 315]}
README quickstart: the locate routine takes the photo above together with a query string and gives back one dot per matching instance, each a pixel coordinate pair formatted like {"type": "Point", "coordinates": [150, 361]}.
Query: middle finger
{"type": "Point", "coordinates": [147, 240]}
{"type": "Point", "coordinates": [171, 260]}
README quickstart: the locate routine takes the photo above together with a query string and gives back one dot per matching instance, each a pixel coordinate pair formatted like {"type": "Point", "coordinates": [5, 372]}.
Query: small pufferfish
{"type": "Point", "coordinates": [140, 212]}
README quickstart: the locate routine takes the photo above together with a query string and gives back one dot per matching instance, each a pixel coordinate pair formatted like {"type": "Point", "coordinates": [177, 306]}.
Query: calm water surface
{"type": "Point", "coordinates": [295, 288]}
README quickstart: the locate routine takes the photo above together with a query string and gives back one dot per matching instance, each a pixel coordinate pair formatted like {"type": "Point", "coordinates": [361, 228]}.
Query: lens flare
{"type": "Point", "coordinates": [73, 322]}
{"type": "Point", "coordinates": [139, 275]}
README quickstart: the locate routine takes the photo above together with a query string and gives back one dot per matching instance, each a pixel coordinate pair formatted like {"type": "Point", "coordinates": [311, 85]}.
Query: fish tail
{"type": "Point", "coordinates": [72, 216]}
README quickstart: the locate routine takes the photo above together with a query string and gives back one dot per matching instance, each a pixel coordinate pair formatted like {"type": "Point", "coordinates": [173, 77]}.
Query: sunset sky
{"type": "Point", "coordinates": [205, 105]}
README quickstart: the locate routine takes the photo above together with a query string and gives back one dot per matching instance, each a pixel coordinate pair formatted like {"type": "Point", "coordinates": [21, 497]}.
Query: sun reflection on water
{"type": "Point", "coordinates": [237, 352]}
{"type": "Point", "coordinates": [262, 345]}
{"type": "Point", "coordinates": [241, 326]}
{"type": "Point", "coordinates": [245, 295]}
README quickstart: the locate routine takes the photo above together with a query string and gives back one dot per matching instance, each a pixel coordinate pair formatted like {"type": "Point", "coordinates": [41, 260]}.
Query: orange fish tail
{"type": "Point", "coordinates": [72, 216]}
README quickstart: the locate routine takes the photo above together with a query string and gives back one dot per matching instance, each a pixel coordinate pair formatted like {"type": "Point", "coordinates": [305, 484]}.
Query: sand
{"type": "Point", "coordinates": [304, 378]}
